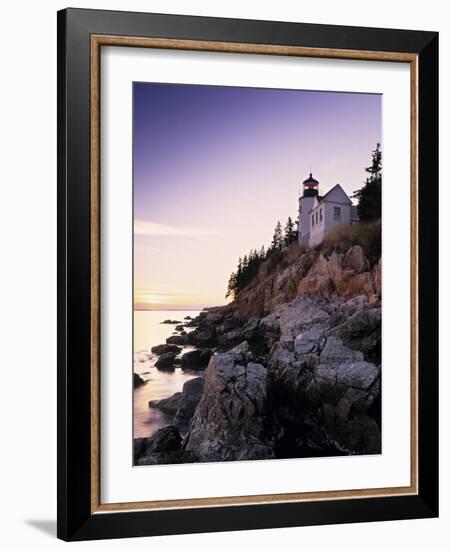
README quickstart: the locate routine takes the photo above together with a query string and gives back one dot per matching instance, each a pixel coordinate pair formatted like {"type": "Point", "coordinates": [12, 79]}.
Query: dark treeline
{"type": "Point", "coordinates": [369, 196]}
{"type": "Point", "coordinates": [248, 266]}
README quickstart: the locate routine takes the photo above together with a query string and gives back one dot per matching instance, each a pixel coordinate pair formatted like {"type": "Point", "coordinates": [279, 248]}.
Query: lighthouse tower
{"type": "Point", "coordinates": [306, 202]}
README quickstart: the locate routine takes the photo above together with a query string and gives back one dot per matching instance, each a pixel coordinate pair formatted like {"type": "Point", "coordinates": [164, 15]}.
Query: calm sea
{"type": "Point", "coordinates": [149, 332]}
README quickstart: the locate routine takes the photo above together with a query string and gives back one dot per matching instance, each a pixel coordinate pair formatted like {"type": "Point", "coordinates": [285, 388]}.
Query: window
{"type": "Point", "coordinates": [337, 213]}
{"type": "Point", "coordinates": [321, 215]}
{"type": "Point", "coordinates": [312, 220]}
{"type": "Point", "coordinates": [317, 217]}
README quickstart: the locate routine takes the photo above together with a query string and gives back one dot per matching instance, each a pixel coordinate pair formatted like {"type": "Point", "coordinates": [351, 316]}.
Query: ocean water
{"type": "Point", "coordinates": [149, 332]}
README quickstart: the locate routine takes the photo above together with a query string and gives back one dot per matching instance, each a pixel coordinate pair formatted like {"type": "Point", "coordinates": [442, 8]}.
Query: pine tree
{"type": "Point", "coordinates": [289, 232]}
{"type": "Point", "coordinates": [277, 239]}
{"type": "Point", "coordinates": [231, 289]}
{"type": "Point", "coordinates": [369, 196]}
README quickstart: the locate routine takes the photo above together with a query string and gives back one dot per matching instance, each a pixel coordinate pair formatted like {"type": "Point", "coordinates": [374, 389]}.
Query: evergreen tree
{"type": "Point", "coordinates": [277, 239]}
{"type": "Point", "coordinates": [369, 196]}
{"type": "Point", "coordinates": [248, 266]}
{"type": "Point", "coordinates": [289, 232]}
{"type": "Point", "coordinates": [231, 289]}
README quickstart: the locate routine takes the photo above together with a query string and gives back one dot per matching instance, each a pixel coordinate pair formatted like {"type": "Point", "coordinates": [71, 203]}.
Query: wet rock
{"type": "Point", "coordinates": [137, 380]}
{"type": "Point", "coordinates": [169, 405]}
{"type": "Point", "coordinates": [163, 447]}
{"type": "Point", "coordinates": [181, 405]}
{"type": "Point", "coordinates": [178, 339]}
{"type": "Point", "coordinates": [166, 362]}
{"type": "Point", "coordinates": [165, 348]}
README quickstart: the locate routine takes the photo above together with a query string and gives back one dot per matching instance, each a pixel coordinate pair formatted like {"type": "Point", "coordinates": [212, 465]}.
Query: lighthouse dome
{"type": "Point", "coordinates": [311, 182]}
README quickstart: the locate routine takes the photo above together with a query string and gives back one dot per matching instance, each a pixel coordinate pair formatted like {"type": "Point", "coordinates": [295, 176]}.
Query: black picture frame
{"type": "Point", "coordinates": [76, 521]}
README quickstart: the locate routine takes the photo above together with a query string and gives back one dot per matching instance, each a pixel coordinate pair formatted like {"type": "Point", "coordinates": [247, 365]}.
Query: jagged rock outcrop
{"type": "Point", "coordinates": [229, 422]}
{"type": "Point", "coordinates": [292, 366]}
{"type": "Point", "coordinates": [322, 385]}
{"type": "Point", "coordinates": [339, 275]}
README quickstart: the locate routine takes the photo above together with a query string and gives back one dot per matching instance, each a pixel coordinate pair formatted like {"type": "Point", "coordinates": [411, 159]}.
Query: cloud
{"type": "Point", "coordinates": [159, 229]}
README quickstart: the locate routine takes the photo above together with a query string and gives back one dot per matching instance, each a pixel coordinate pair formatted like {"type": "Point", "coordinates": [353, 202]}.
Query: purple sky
{"type": "Point", "coordinates": [216, 167]}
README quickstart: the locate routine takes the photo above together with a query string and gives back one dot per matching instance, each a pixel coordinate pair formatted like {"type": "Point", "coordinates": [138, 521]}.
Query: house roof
{"type": "Point", "coordinates": [336, 187]}
{"type": "Point", "coordinates": [323, 198]}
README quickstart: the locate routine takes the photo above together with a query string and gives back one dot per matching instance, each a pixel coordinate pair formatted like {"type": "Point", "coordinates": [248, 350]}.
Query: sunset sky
{"type": "Point", "coordinates": [216, 167]}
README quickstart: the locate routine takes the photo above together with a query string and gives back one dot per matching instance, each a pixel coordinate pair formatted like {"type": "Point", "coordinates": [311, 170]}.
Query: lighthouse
{"type": "Point", "coordinates": [305, 204]}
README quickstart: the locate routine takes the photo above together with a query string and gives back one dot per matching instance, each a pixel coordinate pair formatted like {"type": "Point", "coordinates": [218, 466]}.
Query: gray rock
{"type": "Point", "coordinates": [359, 375]}
{"type": "Point", "coordinates": [181, 405]}
{"type": "Point", "coordinates": [229, 421]}
{"type": "Point", "coordinates": [362, 331]}
{"type": "Point", "coordinates": [310, 341]}
{"type": "Point", "coordinates": [189, 399]}
{"type": "Point", "coordinates": [299, 315]}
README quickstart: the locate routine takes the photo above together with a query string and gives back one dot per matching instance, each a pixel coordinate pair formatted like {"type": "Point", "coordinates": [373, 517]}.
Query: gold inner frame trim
{"type": "Point", "coordinates": [97, 41]}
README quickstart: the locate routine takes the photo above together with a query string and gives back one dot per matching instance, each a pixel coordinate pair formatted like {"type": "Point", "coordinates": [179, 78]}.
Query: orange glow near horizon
{"type": "Point", "coordinates": [156, 301]}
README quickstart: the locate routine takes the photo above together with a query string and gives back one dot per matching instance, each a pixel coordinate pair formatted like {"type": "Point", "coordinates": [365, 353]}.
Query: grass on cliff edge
{"type": "Point", "coordinates": [342, 237]}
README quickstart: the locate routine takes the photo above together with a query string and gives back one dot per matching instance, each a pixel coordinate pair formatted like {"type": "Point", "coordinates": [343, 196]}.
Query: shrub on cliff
{"type": "Point", "coordinates": [342, 237]}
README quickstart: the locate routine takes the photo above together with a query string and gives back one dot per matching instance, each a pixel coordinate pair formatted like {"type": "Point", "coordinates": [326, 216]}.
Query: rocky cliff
{"type": "Point", "coordinates": [292, 367]}
{"type": "Point", "coordinates": [339, 275]}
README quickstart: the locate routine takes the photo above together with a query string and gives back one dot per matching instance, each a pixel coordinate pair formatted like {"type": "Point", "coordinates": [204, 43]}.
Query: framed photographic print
{"type": "Point", "coordinates": [247, 263]}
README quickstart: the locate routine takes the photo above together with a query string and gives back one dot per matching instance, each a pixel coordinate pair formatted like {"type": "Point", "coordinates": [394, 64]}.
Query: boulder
{"type": "Point", "coordinates": [362, 331]}
{"type": "Point", "coordinates": [165, 348]}
{"type": "Point", "coordinates": [195, 360]}
{"type": "Point", "coordinates": [169, 405]}
{"type": "Point", "coordinates": [137, 380]}
{"type": "Point", "coordinates": [229, 421]}
{"type": "Point", "coordinates": [181, 405]}
{"type": "Point", "coordinates": [178, 339]}
{"type": "Point", "coordinates": [322, 386]}
{"type": "Point", "coordinates": [300, 314]}
{"type": "Point", "coordinates": [166, 361]}
{"type": "Point", "coordinates": [163, 447]}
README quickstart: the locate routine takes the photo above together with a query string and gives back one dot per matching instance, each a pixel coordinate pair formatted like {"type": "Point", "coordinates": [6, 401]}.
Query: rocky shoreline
{"type": "Point", "coordinates": [291, 368]}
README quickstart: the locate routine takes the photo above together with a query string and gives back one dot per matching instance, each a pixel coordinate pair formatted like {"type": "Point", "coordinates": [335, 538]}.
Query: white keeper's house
{"type": "Point", "coordinates": [318, 214]}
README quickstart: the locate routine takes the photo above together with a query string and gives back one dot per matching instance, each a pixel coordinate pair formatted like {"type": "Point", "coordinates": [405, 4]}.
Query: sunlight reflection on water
{"type": "Point", "coordinates": [149, 332]}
